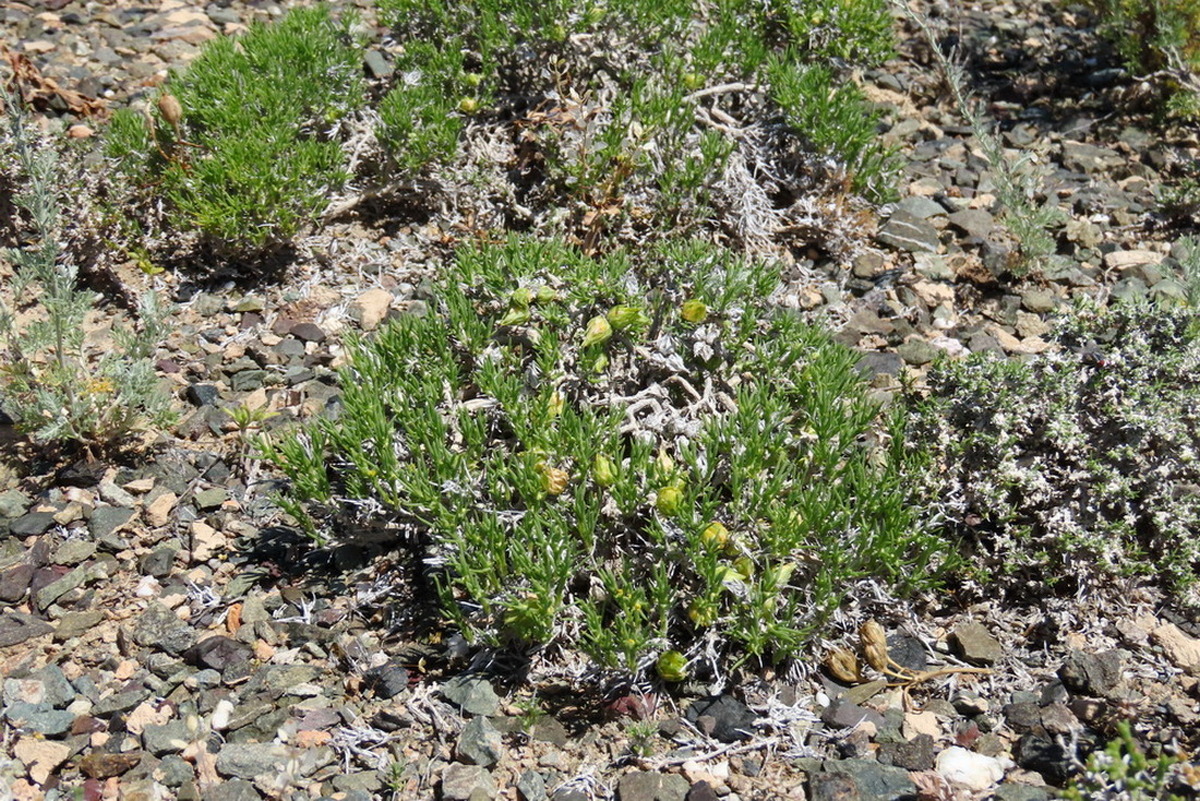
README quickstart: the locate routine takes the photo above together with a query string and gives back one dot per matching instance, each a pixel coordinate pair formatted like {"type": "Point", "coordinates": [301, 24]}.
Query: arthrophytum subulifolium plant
{"type": "Point", "coordinates": [632, 456]}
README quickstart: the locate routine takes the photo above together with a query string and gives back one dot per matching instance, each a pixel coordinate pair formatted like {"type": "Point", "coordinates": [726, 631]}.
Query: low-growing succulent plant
{"type": "Point", "coordinates": [560, 503]}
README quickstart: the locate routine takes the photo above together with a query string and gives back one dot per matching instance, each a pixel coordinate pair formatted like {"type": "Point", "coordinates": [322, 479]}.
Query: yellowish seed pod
{"type": "Point", "coordinates": [468, 105]}
{"type": "Point", "coordinates": [554, 480]}
{"type": "Point", "coordinates": [843, 665]}
{"type": "Point", "coordinates": [672, 666]}
{"type": "Point", "coordinates": [874, 645]}
{"type": "Point", "coordinates": [171, 110]}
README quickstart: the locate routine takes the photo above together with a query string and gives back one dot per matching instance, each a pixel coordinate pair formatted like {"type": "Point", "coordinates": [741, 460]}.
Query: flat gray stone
{"type": "Point", "coordinates": [119, 702]}
{"type": "Point", "coordinates": [106, 520]}
{"type": "Point", "coordinates": [973, 222]}
{"type": "Point", "coordinates": [467, 783]}
{"type": "Point", "coordinates": [472, 694]}
{"type": "Point", "coordinates": [13, 503]}
{"type": "Point", "coordinates": [169, 738]}
{"type": "Point", "coordinates": [232, 790]}
{"type": "Point", "coordinates": [921, 207]}
{"type": "Point", "coordinates": [531, 786]}
{"type": "Point", "coordinates": [873, 781]}
{"type": "Point", "coordinates": [908, 233]}
{"type": "Point", "coordinates": [41, 718]}
{"type": "Point", "coordinates": [72, 552]}
{"type": "Point", "coordinates": [158, 627]}
{"type": "Point", "coordinates": [56, 689]}
{"type": "Point", "coordinates": [17, 627]}
{"type": "Point", "coordinates": [31, 524]}
{"type": "Point", "coordinates": [976, 644]}
{"type": "Point", "coordinates": [60, 587]}
{"type": "Point", "coordinates": [247, 760]}
{"type": "Point", "coordinates": [651, 786]}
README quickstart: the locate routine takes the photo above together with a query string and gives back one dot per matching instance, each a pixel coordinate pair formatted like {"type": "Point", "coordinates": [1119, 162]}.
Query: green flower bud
{"type": "Point", "coordinates": [518, 315]}
{"type": "Point", "coordinates": [598, 331]}
{"type": "Point", "coordinates": [521, 297]}
{"type": "Point", "coordinates": [669, 501]}
{"type": "Point", "coordinates": [473, 78]}
{"type": "Point", "coordinates": [715, 535]}
{"type": "Point", "coordinates": [744, 566]}
{"type": "Point", "coordinates": [627, 318]}
{"type": "Point", "coordinates": [693, 81]}
{"type": "Point", "coordinates": [556, 403]}
{"type": "Point", "coordinates": [672, 666]}
{"type": "Point", "coordinates": [694, 311]}
{"type": "Point", "coordinates": [554, 480]}
{"type": "Point", "coordinates": [664, 464]}
{"type": "Point", "coordinates": [601, 363]}
{"type": "Point", "coordinates": [468, 105]}
{"type": "Point", "coordinates": [545, 294]}
{"type": "Point", "coordinates": [702, 612]}
{"type": "Point", "coordinates": [604, 471]}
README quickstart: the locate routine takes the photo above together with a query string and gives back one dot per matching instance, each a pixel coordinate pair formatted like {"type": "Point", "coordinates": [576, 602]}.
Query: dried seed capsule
{"type": "Point", "coordinates": [843, 665]}
{"type": "Point", "coordinates": [171, 110]}
{"type": "Point", "coordinates": [604, 471]}
{"type": "Point", "coordinates": [598, 331]}
{"type": "Point", "coordinates": [874, 645]}
{"type": "Point", "coordinates": [672, 666]}
{"type": "Point", "coordinates": [694, 311]}
{"type": "Point", "coordinates": [554, 480]}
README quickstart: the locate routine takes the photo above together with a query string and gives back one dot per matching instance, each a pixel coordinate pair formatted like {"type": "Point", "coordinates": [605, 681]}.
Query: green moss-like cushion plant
{"type": "Point", "coordinates": [628, 456]}
{"type": "Point", "coordinates": [254, 153]}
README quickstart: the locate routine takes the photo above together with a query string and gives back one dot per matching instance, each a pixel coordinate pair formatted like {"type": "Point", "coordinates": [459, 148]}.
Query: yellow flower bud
{"type": "Point", "coordinates": [598, 331]}
{"type": "Point", "coordinates": [604, 471]}
{"type": "Point", "coordinates": [715, 535]}
{"type": "Point", "coordinates": [672, 666]}
{"type": "Point", "coordinates": [702, 612]}
{"type": "Point", "coordinates": [468, 105]}
{"type": "Point", "coordinates": [556, 403]}
{"type": "Point", "coordinates": [521, 297]}
{"type": "Point", "coordinates": [664, 464]}
{"type": "Point", "coordinates": [744, 565]}
{"type": "Point", "coordinates": [518, 315]}
{"type": "Point", "coordinates": [669, 501]}
{"type": "Point", "coordinates": [694, 311]}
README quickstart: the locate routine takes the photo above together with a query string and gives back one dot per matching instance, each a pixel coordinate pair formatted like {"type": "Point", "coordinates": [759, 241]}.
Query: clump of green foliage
{"type": "Point", "coordinates": [1122, 770]}
{"type": "Point", "coordinates": [1160, 38]}
{"type": "Point", "coordinates": [52, 384]}
{"type": "Point", "coordinates": [620, 103]}
{"type": "Point", "coordinates": [638, 457]}
{"type": "Point", "coordinates": [1072, 469]}
{"type": "Point", "coordinates": [255, 151]}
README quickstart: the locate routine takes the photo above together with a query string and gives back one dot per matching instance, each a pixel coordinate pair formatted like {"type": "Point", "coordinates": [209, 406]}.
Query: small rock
{"type": "Point", "coordinates": [102, 765]}
{"type": "Point", "coordinates": [14, 582]}
{"type": "Point", "coordinates": [973, 222]}
{"type": "Point", "coordinates": [158, 511]}
{"type": "Point", "coordinates": [1124, 259]}
{"type": "Point", "coordinates": [1182, 651]}
{"type": "Point", "coordinates": [479, 743]}
{"type": "Point", "coordinates": [370, 308]}
{"type": "Point", "coordinates": [842, 714]}
{"type": "Point", "coordinates": [202, 394]}
{"type": "Point", "coordinates": [386, 681]}
{"type": "Point", "coordinates": [531, 786]}
{"type": "Point", "coordinates": [232, 790]}
{"type": "Point", "coordinates": [40, 757]}
{"type": "Point", "coordinates": [969, 770]}
{"type": "Point", "coordinates": [472, 695]}
{"type": "Point", "coordinates": [72, 552]}
{"type": "Point", "coordinates": [873, 781]}
{"type": "Point", "coordinates": [169, 738]}
{"type": "Point", "coordinates": [916, 754]}
{"type": "Point", "coordinates": [1020, 792]}
{"type": "Point", "coordinates": [308, 332]}
{"type": "Point", "coordinates": [40, 718]}
{"type": "Point", "coordinates": [976, 644]}
{"type": "Point", "coordinates": [651, 786]}
{"type": "Point", "coordinates": [31, 524]}
{"type": "Point", "coordinates": [1097, 675]}
{"type": "Point", "coordinates": [909, 233]}
{"type": "Point", "coordinates": [702, 791]}
{"type": "Point", "coordinates": [158, 627]}
{"type": "Point", "coordinates": [917, 351]}
{"type": "Point", "coordinates": [832, 787]}
{"type": "Point", "coordinates": [1053, 760]}
{"type": "Point", "coordinates": [729, 720]}
{"type": "Point", "coordinates": [467, 783]}
{"type": "Point", "coordinates": [13, 503]}
{"type": "Point", "coordinates": [107, 520]}
{"type": "Point", "coordinates": [17, 627]}
{"type": "Point", "coordinates": [210, 499]}
{"type": "Point", "coordinates": [1022, 717]}
{"type": "Point", "coordinates": [1038, 301]}
{"type": "Point", "coordinates": [247, 760]}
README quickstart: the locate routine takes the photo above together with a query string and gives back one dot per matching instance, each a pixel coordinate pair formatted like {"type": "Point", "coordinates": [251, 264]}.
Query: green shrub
{"type": "Point", "coordinates": [1158, 37]}
{"type": "Point", "coordinates": [52, 383]}
{"type": "Point", "coordinates": [257, 150]}
{"type": "Point", "coordinates": [617, 91]}
{"type": "Point", "coordinates": [1123, 770]}
{"type": "Point", "coordinates": [630, 456]}
{"type": "Point", "coordinates": [1073, 469]}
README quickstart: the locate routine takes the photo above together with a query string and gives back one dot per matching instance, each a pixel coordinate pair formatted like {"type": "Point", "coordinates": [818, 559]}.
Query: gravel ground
{"type": "Point", "coordinates": [162, 636]}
